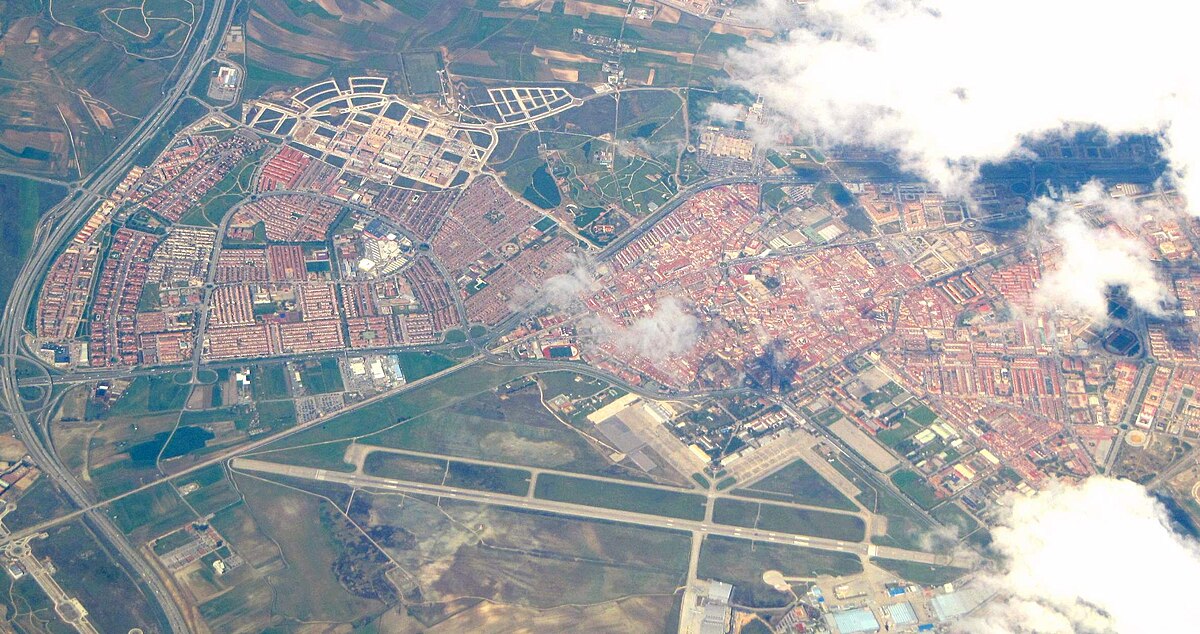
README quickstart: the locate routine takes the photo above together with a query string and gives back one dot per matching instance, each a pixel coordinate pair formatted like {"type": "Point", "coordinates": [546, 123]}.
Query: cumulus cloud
{"type": "Point", "coordinates": [668, 331]}
{"type": "Point", "coordinates": [1095, 258]}
{"type": "Point", "coordinates": [724, 112]}
{"type": "Point", "coordinates": [949, 85]}
{"type": "Point", "coordinates": [570, 288]}
{"type": "Point", "coordinates": [1098, 557]}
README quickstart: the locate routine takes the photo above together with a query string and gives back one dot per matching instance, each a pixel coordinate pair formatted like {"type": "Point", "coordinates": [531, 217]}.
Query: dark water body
{"type": "Point", "coordinates": [543, 192]}
{"type": "Point", "coordinates": [186, 440]}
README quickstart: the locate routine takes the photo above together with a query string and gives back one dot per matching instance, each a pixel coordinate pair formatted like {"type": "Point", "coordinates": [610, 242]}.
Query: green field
{"type": "Point", "coordinates": [418, 365]}
{"type": "Point", "coordinates": [86, 571]}
{"type": "Point", "coordinates": [268, 382]}
{"type": "Point", "coordinates": [923, 574]}
{"type": "Point", "coordinates": [150, 395]}
{"type": "Point", "coordinates": [951, 515]}
{"type": "Point", "coordinates": [913, 485]}
{"type": "Point", "coordinates": [742, 562]}
{"type": "Point", "coordinates": [151, 512]}
{"type": "Point", "coordinates": [22, 202]}
{"type": "Point", "coordinates": [448, 472]}
{"type": "Point", "coordinates": [788, 520]}
{"type": "Point", "coordinates": [906, 527]}
{"type": "Point", "coordinates": [321, 376]}
{"type": "Point", "coordinates": [800, 484]}
{"type": "Point", "coordinates": [622, 497]}
{"type": "Point", "coordinates": [216, 492]}
{"type": "Point", "coordinates": [277, 415]}
{"type": "Point", "coordinates": [280, 525]}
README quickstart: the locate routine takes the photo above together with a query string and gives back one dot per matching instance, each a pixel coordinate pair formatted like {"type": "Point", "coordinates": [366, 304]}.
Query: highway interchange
{"type": "Point", "coordinates": [55, 229]}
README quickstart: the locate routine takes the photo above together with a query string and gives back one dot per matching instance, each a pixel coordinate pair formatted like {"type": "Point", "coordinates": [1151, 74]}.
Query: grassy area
{"type": "Point", "coordinates": [151, 512]}
{"type": "Point", "coordinates": [913, 485]}
{"type": "Point", "coordinates": [307, 587]}
{"type": "Point", "coordinates": [277, 415]}
{"type": "Point", "coordinates": [268, 382]}
{"type": "Point", "coordinates": [401, 467]}
{"type": "Point", "coordinates": [215, 491]}
{"type": "Point", "coordinates": [150, 395]}
{"type": "Point", "coordinates": [893, 436]}
{"type": "Point", "coordinates": [906, 527]}
{"type": "Point", "coordinates": [322, 376]}
{"type": "Point", "coordinates": [951, 515]}
{"type": "Point", "coordinates": [42, 501]}
{"type": "Point", "coordinates": [488, 478]}
{"type": "Point", "coordinates": [623, 497]}
{"type": "Point", "coordinates": [923, 574]}
{"type": "Point", "coordinates": [788, 520]}
{"type": "Point", "coordinates": [800, 484]}
{"type": "Point", "coordinates": [418, 365]}
{"type": "Point", "coordinates": [23, 201]}
{"type": "Point", "coordinates": [542, 560]}
{"type": "Point", "coordinates": [86, 571]}
{"type": "Point", "coordinates": [742, 562]}
{"type": "Point", "coordinates": [573, 385]}
{"type": "Point", "coordinates": [449, 472]}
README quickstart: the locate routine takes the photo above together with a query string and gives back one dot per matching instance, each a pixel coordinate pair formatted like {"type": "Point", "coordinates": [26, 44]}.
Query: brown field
{"type": "Point", "coordinates": [565, 74]}
{"type": "Point", "coordinates": [585, 9]}
{"type": "Point", "coordinates": [667, 14]}
{"type": "Point", "coordinates": [681, 57]}
{"type": "Point", "coordinates": [635, 614]}
{"type": "Point", "coordinates": [562, 56]}
{"type": "Point", "coordinates": [746, 32]}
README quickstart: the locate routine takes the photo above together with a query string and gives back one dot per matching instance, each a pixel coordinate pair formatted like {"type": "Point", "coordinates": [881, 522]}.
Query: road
{"type": "Point", "coordinates": [54, 230]}
{"type": "Point", "coordinates": [861, 550]}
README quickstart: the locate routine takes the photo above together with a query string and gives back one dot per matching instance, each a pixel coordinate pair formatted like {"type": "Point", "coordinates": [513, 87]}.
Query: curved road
{"type": "Point", "coordinates": [54, 229]}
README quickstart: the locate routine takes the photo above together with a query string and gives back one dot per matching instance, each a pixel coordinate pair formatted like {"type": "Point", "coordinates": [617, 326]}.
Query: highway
{"type": "Point", "coordinates": [55, 229]}
{"type": "Point", "coordinates": [859, 549]}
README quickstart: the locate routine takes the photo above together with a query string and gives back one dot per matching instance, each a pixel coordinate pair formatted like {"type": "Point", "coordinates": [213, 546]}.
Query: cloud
{"type": "Point", "coordinates": [1096, 557]}
{"type": "Point", "coordinates": [668, 331]}
{"type": "Point", "coordinates": [949, 85]}
{"type": "Point", "coordinates": [568, 289]}
{"type": "Point", "coordinates": [1095, 258]}
{"type": "Point", "coordinates": [725, 112]}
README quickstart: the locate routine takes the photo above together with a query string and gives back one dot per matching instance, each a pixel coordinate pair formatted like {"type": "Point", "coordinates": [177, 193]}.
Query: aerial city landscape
{"type": "Point", "coordinates": [681, 316]}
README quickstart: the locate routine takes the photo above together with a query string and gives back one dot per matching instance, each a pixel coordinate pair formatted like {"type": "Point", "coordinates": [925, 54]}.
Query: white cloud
{"type": "Point", "coordinates": [950, 84]}
{"type": "Point", "coordinates": [1095, 258]}
{"type": "Point", "coordinates": [1095, 557]}
{"type": "Point", "coordinates": [725, 112]}
{"type": "Point", "coordinates": [668, 331]}
{"type": "Point", "coordinates": [567, 289]}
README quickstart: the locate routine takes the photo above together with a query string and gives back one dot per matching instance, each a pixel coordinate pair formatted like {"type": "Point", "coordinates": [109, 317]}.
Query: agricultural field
{"type": "Point", "coordinates": [289, 43]}
{"type": "Point", "coordinates": [62, 114]}
{"type": "Point", "coordinates": [150, 513]}
{"type": "Point", "coordinates": [23, 201]}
